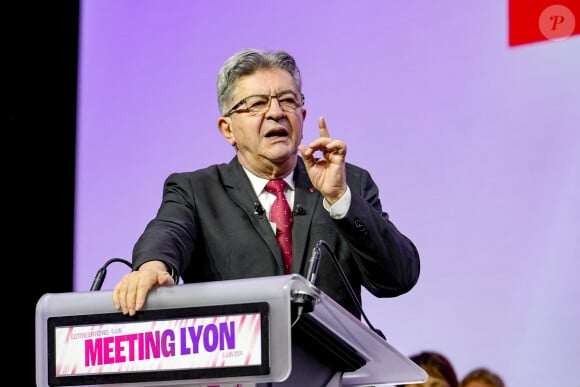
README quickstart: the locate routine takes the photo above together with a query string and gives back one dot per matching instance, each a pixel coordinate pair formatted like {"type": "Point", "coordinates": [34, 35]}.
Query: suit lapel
{"type": "Point", "coordinates": [307, 197]}
{"type": "Point", "coordinates": [240, 190]}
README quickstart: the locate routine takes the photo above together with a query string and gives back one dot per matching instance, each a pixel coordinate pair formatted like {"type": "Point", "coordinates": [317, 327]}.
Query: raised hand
{"type": "Point", "coordinates": [327, 172]}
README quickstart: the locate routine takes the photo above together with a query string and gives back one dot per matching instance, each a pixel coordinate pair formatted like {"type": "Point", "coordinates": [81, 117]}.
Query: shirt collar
{"type": "Point", "coordinates": [259, 183]}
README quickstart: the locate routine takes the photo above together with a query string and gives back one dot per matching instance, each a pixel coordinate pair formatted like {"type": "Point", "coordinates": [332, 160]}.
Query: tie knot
{"type": "Point", "coordinates": [275, 186]}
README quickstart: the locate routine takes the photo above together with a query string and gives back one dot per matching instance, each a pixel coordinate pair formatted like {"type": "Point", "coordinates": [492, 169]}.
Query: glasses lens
{"type": "Point", "coordinates": [257, 103]}
{"type": "Point", "coordinates": [288, 102]}
{"type": "Point", "coordinates": [260, 103]}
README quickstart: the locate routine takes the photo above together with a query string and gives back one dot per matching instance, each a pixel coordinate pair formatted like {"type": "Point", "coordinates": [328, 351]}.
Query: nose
{"type": "Point", "coordinates": [274, 108]}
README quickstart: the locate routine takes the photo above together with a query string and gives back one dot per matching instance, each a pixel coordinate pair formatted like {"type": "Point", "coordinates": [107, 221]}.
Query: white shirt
{"type": "Point", "coordinates": [337, 211]}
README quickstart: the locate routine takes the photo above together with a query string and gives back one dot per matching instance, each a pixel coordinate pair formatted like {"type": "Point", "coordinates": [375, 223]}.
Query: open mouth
{"type": "Point", "coordinates": [277, 133]}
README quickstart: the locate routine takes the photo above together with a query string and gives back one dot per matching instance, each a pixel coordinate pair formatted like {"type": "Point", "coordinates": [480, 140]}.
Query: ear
{"type": "Point", "coordinates": [225, 127]}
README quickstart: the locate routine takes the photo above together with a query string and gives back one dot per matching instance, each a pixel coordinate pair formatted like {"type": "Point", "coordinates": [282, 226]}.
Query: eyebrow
{"type": "Point", "coordinates": [290, 91]}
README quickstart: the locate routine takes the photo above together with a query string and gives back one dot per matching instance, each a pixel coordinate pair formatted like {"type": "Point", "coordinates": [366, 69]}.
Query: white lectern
{"type": "Point", "coordinates": [226, 333]}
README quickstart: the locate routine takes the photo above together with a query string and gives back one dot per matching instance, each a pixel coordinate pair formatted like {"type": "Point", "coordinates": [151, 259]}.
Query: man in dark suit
{"type": "Point", "coordinates": [214, 223]}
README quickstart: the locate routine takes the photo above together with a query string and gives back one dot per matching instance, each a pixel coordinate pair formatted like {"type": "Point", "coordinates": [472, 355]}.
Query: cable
{"type": "Point", "coordinates": [350, 289]}
{"type": "Point", "coordinates": [102, 272]}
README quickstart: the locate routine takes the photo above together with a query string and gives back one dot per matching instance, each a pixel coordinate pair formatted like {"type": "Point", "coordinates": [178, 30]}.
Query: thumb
{"type": "Point", "coordinates": [165, 279]}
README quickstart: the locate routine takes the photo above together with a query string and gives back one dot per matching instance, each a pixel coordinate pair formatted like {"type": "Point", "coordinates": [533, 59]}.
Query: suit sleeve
{"type": "Point", "coordinates": [387, 260]}
{"type": "Point", "coordinates": [172, 235]}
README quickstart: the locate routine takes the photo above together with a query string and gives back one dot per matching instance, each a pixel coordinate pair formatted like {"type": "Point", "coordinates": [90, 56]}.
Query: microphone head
{"type": "Point", "coordinates": [99, 279]}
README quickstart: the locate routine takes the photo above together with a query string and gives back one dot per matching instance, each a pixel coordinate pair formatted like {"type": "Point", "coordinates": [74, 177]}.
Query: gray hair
{"type": "Point", "coordinates": [246, 62]}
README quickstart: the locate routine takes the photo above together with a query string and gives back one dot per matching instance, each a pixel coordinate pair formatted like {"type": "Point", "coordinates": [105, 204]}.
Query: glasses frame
{"type": "Point", "coordinates": [236, 107]}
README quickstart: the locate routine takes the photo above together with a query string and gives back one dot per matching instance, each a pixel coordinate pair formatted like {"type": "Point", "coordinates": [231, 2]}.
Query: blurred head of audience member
{"type": "Point", "coordinates": [440, 370]}
{"type": "Point", "coordinates": [482, 377]}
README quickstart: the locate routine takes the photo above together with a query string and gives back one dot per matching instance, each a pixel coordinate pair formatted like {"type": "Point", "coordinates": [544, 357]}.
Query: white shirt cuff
{"type": "Point", "coordinates": [339, 209]}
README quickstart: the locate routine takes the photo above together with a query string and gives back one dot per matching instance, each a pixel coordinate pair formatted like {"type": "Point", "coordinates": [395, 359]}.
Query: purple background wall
{"type": "Point", "coordinates": [475, 146]}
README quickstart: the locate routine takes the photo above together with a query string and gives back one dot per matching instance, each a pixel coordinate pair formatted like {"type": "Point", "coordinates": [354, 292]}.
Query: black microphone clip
{"type": "Point", "coordinates": [299, 210]}
{"type": "Point", "coordinates": [258, 209]}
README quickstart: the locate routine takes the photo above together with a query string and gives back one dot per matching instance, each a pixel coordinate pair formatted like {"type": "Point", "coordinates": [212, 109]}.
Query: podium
{"type": "Point", "coordinates": [246, 332]}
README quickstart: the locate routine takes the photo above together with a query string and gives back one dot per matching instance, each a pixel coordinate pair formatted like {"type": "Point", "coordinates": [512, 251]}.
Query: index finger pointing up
{"type": "Point", "coordinates": [323, 128]}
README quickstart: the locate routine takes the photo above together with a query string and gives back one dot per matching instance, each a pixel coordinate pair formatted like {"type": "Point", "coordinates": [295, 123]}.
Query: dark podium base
{"type": "Point", "coordinates": [311, 372]}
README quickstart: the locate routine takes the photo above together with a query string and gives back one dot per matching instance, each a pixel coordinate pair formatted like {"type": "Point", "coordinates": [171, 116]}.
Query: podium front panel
{"type": "Point", "coordinates": [66, 321]}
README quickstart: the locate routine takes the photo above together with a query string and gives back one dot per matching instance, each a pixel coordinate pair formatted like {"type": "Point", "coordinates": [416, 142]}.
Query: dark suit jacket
{"type": "Point", "coordinates": [207, 229]}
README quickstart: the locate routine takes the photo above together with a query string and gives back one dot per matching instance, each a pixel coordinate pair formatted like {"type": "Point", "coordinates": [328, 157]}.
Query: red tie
{"type": "Point", "coordinates": [281, 215]}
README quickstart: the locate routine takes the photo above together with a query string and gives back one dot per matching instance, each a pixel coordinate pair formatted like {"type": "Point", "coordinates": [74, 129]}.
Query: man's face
{"type": "Point", "coordinates": [267, 142]}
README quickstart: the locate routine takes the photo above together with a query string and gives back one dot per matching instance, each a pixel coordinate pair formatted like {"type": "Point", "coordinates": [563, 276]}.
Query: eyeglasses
{"type": "Point", "coordinates": [260, 103]}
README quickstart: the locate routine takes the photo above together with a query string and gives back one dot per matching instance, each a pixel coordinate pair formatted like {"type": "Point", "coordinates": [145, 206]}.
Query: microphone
{"type": "Point", "coordinates": [299, 210]}
{"type": "Point", "coordinates": [258, 209]}
{"type": "Point", "coordinates": [102, 273]}
{"type": "Point", "coordinates": [310, 266]}
{"type": "Point", "coordinates": [304, 303]}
